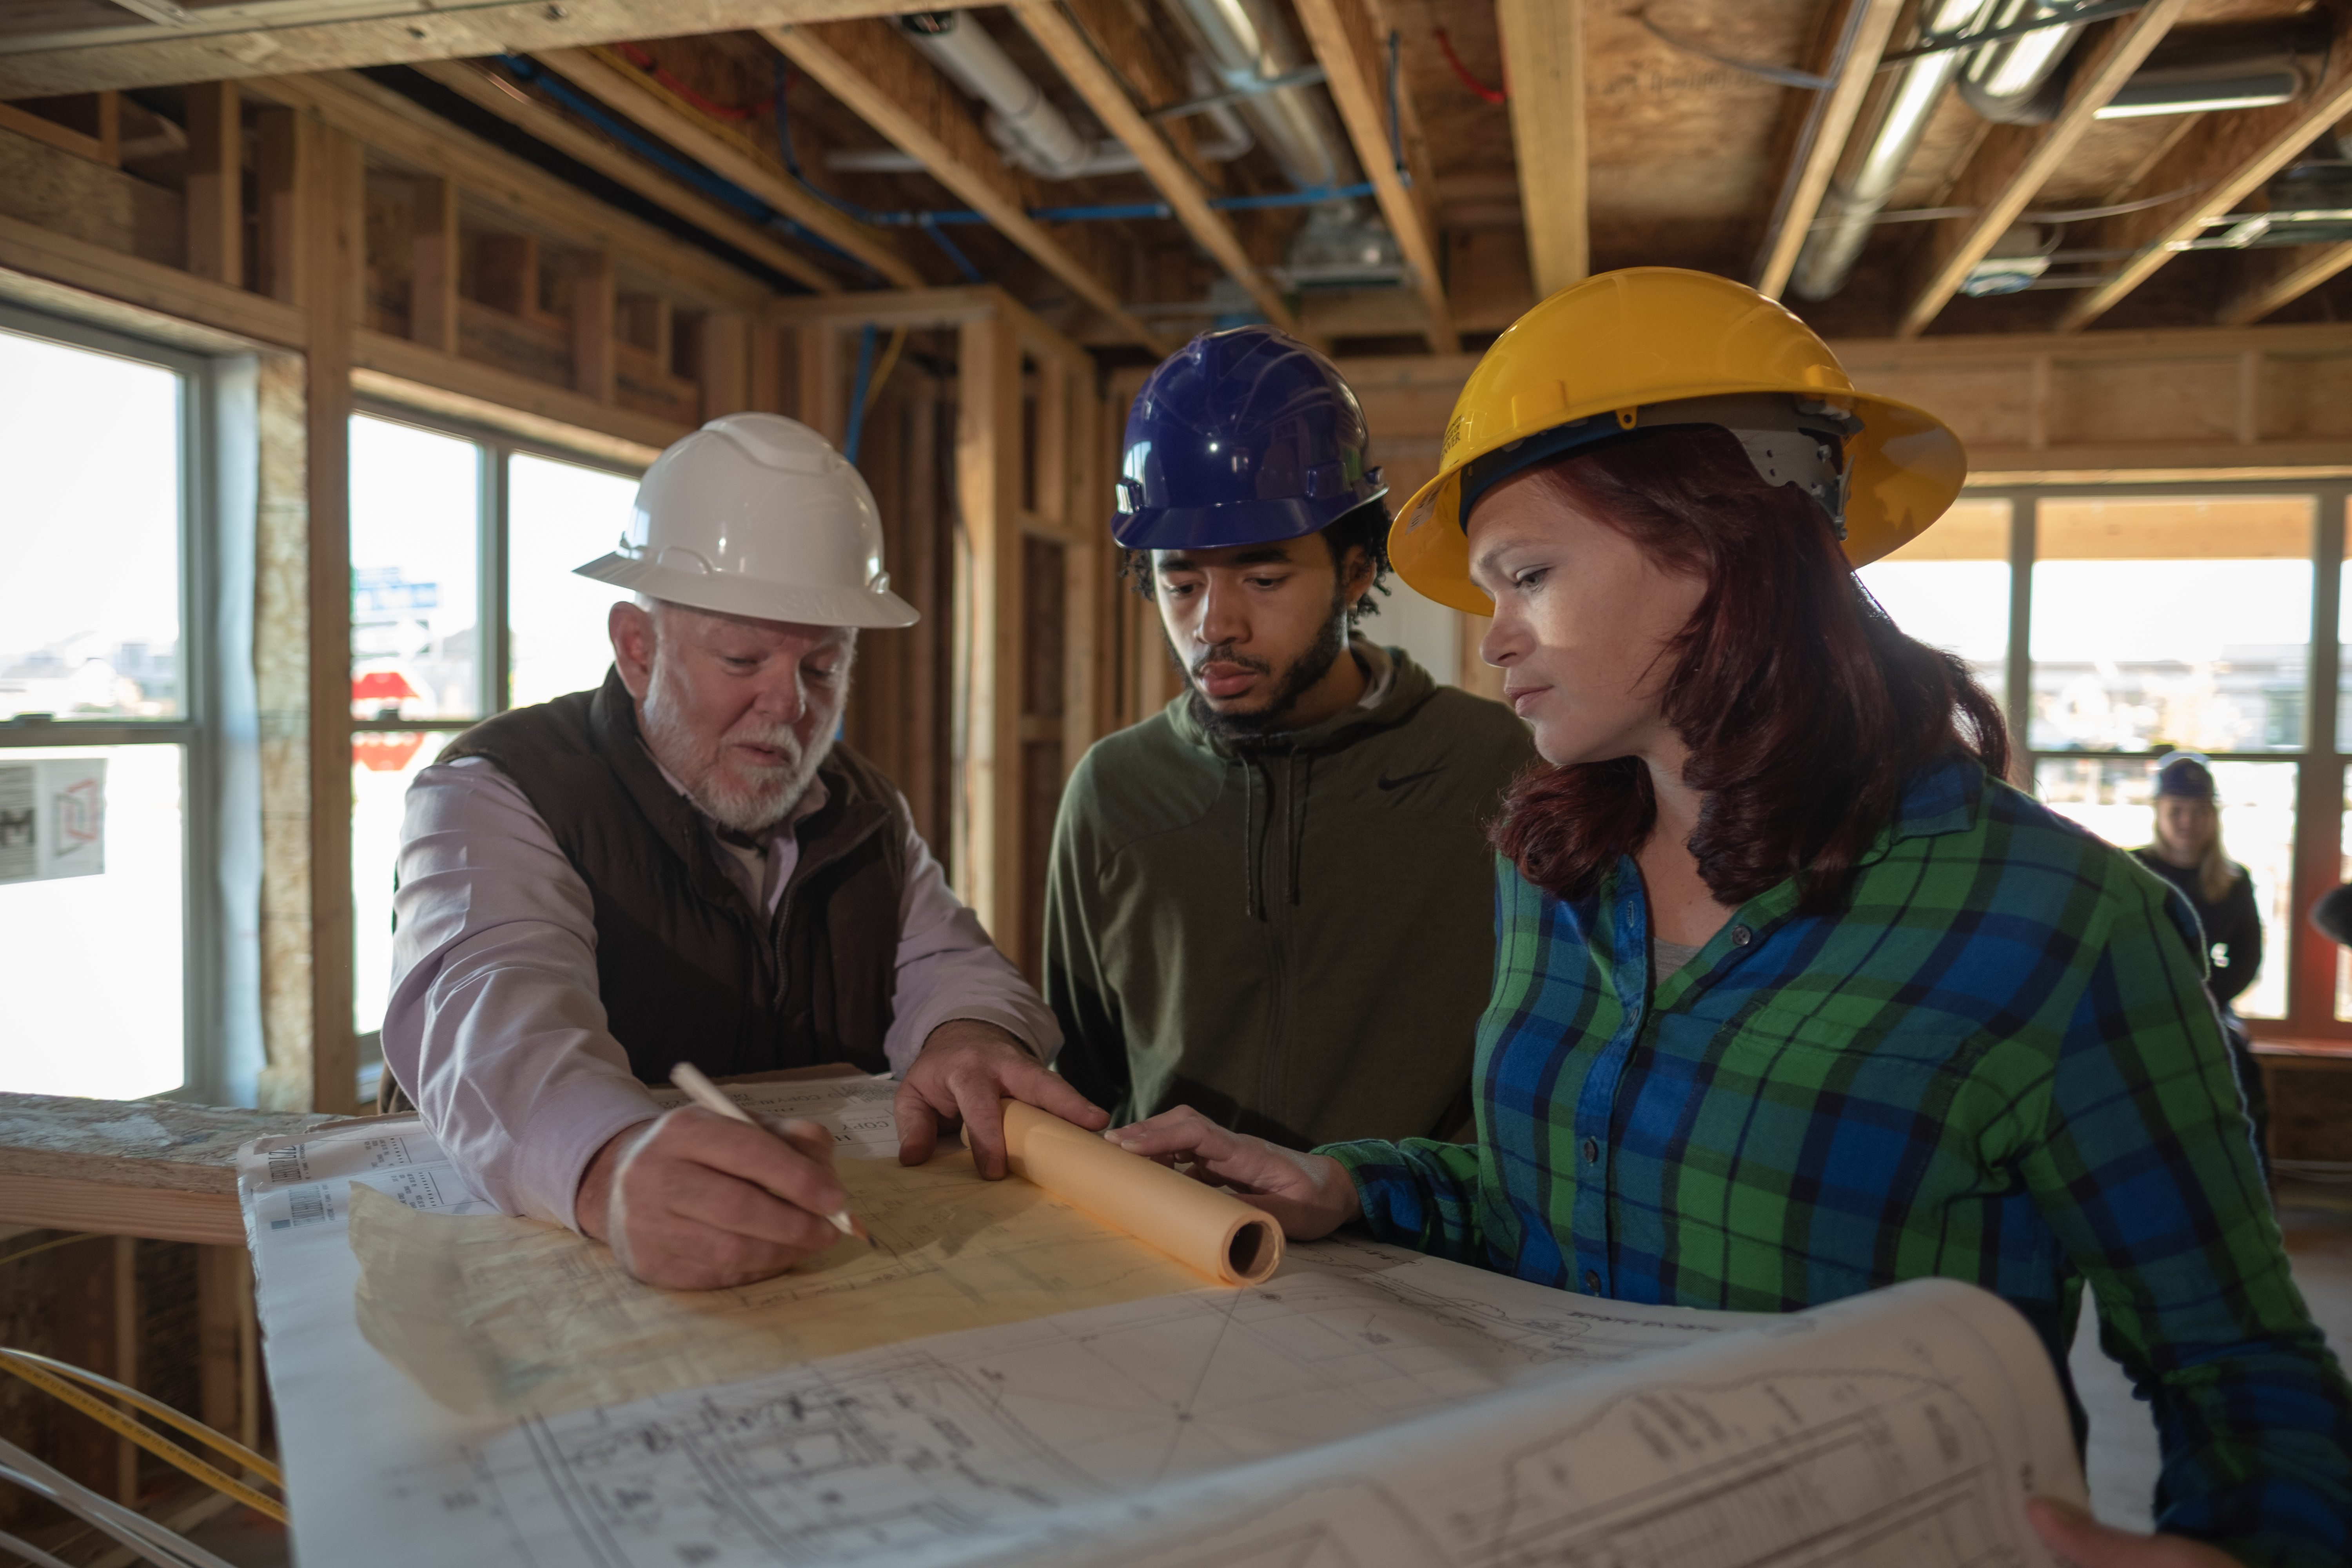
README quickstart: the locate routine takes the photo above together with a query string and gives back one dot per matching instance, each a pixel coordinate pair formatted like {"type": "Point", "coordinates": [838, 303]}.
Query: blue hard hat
{"type": "Point", "coordinates": [1241, 436]}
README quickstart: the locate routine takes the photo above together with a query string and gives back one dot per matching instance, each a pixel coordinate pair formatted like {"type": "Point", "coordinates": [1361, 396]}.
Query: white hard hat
{"type": "Point", "coordinates": [755, 514]}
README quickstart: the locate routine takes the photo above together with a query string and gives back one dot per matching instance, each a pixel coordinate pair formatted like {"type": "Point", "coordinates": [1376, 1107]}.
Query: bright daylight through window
{"type": "Point", "coordinates": [92, 861]}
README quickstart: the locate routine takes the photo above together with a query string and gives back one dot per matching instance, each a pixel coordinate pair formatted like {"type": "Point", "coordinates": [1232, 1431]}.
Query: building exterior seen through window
{"type": "Point", "coordinates": [96, 736]}
{"type": "Point", "coordinates": [463, 604]}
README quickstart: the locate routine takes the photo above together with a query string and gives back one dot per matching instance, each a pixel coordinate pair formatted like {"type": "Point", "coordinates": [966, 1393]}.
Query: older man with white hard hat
{"type": "Point", "coordinates": [685, 864]}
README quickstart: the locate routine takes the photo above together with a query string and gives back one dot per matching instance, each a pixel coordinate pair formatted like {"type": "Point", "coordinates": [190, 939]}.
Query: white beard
{"type": "Point", "coordinates": [746, 806]}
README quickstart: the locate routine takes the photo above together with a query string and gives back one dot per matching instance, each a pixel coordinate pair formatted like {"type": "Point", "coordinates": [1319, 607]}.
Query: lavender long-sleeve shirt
{"type": "Point", "coordinates": [495, 1026]}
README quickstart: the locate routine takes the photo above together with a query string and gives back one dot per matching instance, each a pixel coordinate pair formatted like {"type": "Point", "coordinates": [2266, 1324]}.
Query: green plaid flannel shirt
{"type": "Point", "coordinates": [1997, 1065]}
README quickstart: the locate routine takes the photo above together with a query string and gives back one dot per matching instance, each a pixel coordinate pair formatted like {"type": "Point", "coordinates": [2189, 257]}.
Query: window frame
{"type": "Point", "coordinates": [2320, 761]}
{"type": "Point", "coordinates": [493, 674]}
{"type": "Point", "coordinates": [205, 794]}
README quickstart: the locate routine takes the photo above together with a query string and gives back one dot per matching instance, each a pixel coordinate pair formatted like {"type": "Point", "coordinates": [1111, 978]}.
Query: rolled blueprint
{"type": "Point", "coordinates": [1198, 1225]}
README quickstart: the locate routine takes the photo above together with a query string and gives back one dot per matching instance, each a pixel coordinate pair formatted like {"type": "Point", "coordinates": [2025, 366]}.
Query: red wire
{"type": "Point", "coordinates": [644, 62]}
{"type": "Point", "coordinates": [1472, 82]}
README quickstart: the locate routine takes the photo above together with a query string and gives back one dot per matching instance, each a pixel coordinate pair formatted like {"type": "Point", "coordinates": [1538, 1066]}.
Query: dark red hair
{"type": "Point", "coordinates": [1804, 708]}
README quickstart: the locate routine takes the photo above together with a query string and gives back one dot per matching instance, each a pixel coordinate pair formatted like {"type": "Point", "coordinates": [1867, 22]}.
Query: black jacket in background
{"type": "Point", "coordinates": [2233, 930]}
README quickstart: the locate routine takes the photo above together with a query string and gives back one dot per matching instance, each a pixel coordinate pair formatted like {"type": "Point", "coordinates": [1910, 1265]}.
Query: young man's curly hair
{"type": "Point", "coordinates": [1366, 528]}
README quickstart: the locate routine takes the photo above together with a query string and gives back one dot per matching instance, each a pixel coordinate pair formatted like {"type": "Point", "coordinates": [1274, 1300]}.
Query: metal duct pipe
{"type": "Point", "coordinates": [1246, 43]}
{"type": "Point", "coordinates": [1031, 132]}
{"type": "Point", "coordinates": [2016, 81]}
{"type": "Point", "coordinates": [1865, 178]}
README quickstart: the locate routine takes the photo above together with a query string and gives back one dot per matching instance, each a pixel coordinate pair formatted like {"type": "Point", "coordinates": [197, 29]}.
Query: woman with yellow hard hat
{"type": "Point", "coordinates": [1794, 996]}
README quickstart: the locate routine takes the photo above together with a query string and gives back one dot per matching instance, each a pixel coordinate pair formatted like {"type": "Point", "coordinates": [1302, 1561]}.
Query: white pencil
{"type": "Point", "coordinates": [708, 1096]}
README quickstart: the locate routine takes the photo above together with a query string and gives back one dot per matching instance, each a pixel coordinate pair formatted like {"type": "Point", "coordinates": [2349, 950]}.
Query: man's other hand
{"type": "Point", "coordinates": [693, 1201]}
{"type": "Point", "coordinates": [965, 1069]}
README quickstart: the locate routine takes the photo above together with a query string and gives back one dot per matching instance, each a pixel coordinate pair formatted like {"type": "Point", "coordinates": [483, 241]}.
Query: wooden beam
{"type": "Point", "coordinates": [30, 249]}
{"type": "Point", "coordinates": [2271, 279]}
{"type": "Point", "coordinates": [331, 182]}
{"type": "Point", "coordinates": [281, 236]}
{"type": "Point", "coordinates": [2226, 163]}
{"type": "Point", "coordinates": [637, 97]}
{"type": "Point", "coordinates": [215, 197]}
{"type": "Point", "coordinates": [264, 37]}
{"type": "Point", "coordinates": [2014, 161]}
{"type": "Point", "coordinates": [401, 132]}
{"type": "Point", "coordinates": [64, 138]}
{"type": "Point", "coordinates": [485, 88]}
{"type": "Point", "coordinates": [1543, 66]}
{"type": "Point", "coordinates": [397, 370]}
{"type": "Point", "coordinates": [1341, 34]}
{"type": "Point", "coordinates": [1828, 122]}
{"type": "Point", "coordinates": [432, 265]}
{"type": "Point", "coordinates": [591, 328]}
{"type": "Point", "coordinates": [722, 364]}
{"type": "Point", "coordinates": [883, 80]}
{"type": "Point", "coordinates": [506, 272]}
{"type": "Point", "coordinates": [987, 853]}
{"type": "Point", "coordinates": [1069, 50]}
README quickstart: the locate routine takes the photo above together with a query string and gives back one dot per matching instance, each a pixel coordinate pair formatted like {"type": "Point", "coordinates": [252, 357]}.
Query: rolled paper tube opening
{"type": "Point", "coordinates": [1200, 1226]}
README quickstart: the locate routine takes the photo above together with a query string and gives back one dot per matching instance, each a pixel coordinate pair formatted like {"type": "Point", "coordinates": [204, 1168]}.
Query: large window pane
{"type": "Point", "coordinates": [415, 547]}
{"type": "Point", "coordinates": [560, 516]}
{"type": "Point", "coordinates": [89, 508]}
{"type": "Point", "coordinates": [91, 965]}
{"type": "Point", "coordinates": [383, 763]}
{"type": "Point", "coordinates": [1950, 587]}
{"type": "Point", "coordinates": [2165, 623]}
{"type": "Point", "coordinates": [2115, 798]}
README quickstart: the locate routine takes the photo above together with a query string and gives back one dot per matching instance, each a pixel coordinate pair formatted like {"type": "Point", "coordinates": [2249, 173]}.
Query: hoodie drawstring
{"type": "Point", "coordinates": [1251, 905]}
{"type": "Point", "coordinates": [1302, 771]}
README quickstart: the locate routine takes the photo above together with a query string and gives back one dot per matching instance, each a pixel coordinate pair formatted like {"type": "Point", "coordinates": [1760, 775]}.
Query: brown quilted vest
{"type": "Point", "coordinates": [688, 969]}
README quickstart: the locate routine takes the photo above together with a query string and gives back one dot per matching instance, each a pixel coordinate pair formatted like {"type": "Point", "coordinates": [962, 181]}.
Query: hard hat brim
{"type": "Point", "coordinates": [803, 605]}
{"type": "Point", "coordinates": [1235, 522]}
{"type": "Point", "coordinates": [1907, 467]}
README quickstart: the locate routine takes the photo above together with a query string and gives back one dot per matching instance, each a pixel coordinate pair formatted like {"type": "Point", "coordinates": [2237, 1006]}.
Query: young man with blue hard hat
{"type": "Point", "coordinates": [1239, 882]}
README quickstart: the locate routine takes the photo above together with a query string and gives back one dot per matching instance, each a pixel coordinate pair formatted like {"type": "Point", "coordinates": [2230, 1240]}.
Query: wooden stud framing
{"type": "Point", "coordinates": [84, 279]}
{"type": "Point", "coordinates": [274, 159]}
{"type": "Point", "coordinates": [591, 328]}
{"type": "Point", "coordinates": [433, 265]}
{"type": "Point", "coordinates": [418, 142]}
{"type": "Point", "coordinates": [1343, 40]}
{"type": "Point", "coordinates": [262, 38]}
{"type": "Point", "coordinates": [2014, 162]}
{"type": "Point", "coordinates": [722, 363]}
{"type": "Point", "coordinates": [505, 275]}
{"type": "Point", "coordinates": [335, 226]}
{"type": "Point", "coordinates": [478, 85]}
{"type": "Point", "coordinates": [1068, 48]}
{"type": "Point", "coordinates": [988, 491]}
{"type": "Point", "coordinates": [1830, 120]}
{"type": "Point", "coordinates": [216, 203]}
{"type": "Point", "coordinates": [2221, 166]}
{"type": "Point", "coordinates": [1543, 49]}
{"type": "Point", "coordinates": [2272, 279]}
{"type": "Point", "coordinates": [885, 83]}
{"type": "Point", "coordinates": [641, 99]}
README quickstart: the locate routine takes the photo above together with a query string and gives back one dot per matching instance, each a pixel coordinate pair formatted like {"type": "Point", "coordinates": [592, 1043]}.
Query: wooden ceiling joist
{"type": "Point", "coordinates": [2223, 164]}
{"type": "Point", "coordinates": [2276, 278]}
{"type": "Point", "coordinates": [400, 129]}
{"type": "Point", "coordinates": [1341, 34]}
{"type": "Point", "coordinates": [1074, 58]}
{"type": "Point", "coordinates": [282, 37]}
{"type": "Point", "coordinates": [881, 78]}
{"type": "Point", "coordinates": [1828, 121]}
{"type": "Point", "coordinates": [637, 97]}
{"type": "Point", "coordinates": [2013, 162]}
{"type": "Point", "coordinates": [478, 85]}
{"type": "Point", "coordinates": [1543, 68]}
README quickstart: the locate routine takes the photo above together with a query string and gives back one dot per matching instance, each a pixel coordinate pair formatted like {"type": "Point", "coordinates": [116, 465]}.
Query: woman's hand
{"type": "Point", "coordinates": [2080, 1539]}
{"type": "Point", "coordinates": [1311, 1194]}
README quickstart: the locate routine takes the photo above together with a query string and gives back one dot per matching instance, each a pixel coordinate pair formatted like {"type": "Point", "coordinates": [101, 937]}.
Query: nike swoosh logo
{"type": "Point", "coordinates": [1387, 783]}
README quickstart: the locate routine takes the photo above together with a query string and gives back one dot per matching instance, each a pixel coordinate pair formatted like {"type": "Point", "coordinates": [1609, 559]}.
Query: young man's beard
{"type": "Point", "coordinates": [1309, 668]}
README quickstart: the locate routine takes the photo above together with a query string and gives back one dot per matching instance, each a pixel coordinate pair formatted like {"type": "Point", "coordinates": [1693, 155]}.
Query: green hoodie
{"type": "Point", "coordinates": [1293, 933]}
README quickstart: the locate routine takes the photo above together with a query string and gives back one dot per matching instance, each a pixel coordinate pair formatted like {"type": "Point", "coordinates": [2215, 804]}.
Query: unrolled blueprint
{"type": "Point", "coordinates": [1366, 1406]}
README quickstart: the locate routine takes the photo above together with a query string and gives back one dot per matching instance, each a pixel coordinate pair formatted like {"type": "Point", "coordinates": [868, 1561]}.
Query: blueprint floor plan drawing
{"type": "Point", "coordinates": [1367, 1406]}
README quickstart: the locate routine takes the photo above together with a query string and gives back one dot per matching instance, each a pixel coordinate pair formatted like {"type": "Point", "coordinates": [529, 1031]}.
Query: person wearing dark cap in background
{"type": "Point", "coordinates": [2188, 854]}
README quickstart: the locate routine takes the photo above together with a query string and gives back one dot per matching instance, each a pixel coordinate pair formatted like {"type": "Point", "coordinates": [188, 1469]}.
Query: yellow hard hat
{"type": "Point", "coordinates": [1625, 342]}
